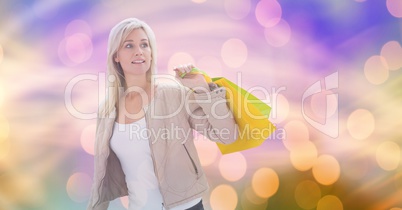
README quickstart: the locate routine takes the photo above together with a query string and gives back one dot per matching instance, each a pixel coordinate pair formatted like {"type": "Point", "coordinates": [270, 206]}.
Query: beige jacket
{"type": "Point", "coordinates": [171, 117]}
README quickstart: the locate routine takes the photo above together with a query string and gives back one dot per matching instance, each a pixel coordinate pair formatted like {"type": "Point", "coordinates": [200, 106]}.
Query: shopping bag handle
{"type": "Point", "coordinates": [197, 71]}
{"type": "Point", "coordinates": [193, 70]}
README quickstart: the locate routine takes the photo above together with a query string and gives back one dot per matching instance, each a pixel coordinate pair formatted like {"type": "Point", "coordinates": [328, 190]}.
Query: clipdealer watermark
{"type": "Point", "coordinates": [270, 97]}
{"type": "Point", "coordinates": [137, 132]}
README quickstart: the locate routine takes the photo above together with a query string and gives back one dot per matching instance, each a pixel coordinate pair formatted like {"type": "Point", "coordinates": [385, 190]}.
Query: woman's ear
{"type": "Point", "coordinates": [116, 59]}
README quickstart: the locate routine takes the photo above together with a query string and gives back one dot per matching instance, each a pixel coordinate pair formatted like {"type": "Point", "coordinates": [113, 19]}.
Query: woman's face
{"type": "Point", "coordinates": [135, 53]}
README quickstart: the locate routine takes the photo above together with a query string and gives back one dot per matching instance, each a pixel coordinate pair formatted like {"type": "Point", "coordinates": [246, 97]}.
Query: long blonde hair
{"type": "Point", "coordinates": [115, 77]}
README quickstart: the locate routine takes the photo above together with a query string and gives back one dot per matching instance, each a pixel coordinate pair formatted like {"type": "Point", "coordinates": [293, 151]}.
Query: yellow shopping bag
{"type": "Point", "coordinates": [251, 115]}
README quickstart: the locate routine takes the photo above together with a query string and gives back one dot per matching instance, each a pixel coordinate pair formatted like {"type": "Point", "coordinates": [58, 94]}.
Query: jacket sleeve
{"type": "Point", "coordinates": [102, 206]}
{"type": "Point", "coordinates": [210, 115]}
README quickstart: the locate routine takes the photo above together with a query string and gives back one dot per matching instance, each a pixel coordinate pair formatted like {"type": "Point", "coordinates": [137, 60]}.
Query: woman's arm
{"type": "Point", "coordinates": [210, 115]}
{"type": "Point", "coordinates": [207, 109]}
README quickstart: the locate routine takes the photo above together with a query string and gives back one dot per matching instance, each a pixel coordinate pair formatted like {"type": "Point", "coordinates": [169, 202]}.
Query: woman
{"type": "Point", "coordinates": [144, 142]}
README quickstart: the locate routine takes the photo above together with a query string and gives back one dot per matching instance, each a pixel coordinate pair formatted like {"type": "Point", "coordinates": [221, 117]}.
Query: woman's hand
{"type": "Point", "coordinates": [194, 81]}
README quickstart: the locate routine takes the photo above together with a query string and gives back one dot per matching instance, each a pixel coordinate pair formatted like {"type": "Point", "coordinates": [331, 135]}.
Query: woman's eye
{"type": "Point", "coordinates": [144, 45]}
{"type": "Point", "coordinates": [129, 46]}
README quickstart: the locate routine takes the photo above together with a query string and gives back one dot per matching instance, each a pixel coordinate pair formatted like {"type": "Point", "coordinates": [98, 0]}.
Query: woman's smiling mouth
{"type": "Point", "coordinates": [138, 61]}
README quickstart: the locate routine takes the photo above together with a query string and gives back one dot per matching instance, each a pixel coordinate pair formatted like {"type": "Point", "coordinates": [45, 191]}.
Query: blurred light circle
{"type": "Point", "coordinates": [278, 35]}
{"type": "Point", "coordinates": [79, 187]}
{"type": "Point", "coordinates": [254, 198]}
{"type": "Point", "coordinates": [232, 166]}
{"type": "Point", "coordinates": [78, 27]}
{"type": "Point", "coordinates": [329, 202]}
{"type": "Point", "coordinates": [395, 8]}
{"type": "Point", "coordinates": [88, 138]}
{"type": "Point", "coordinates": [296, 135]}
{"type": "Point", "coordinates": [268, 13]}
{"type": "Point", "coordinates": [392, 52]}
{"type": "Point", "coordinates": [251, 201]}
{"type": "Point", "coordinates": [234, 53]}
{"type": "Point", "coordinates": [304, 157]}
{"type": "Point", "coordinates": [207, 151]}
{"type": "Point", "coordinates": [376, 70]}
{"type": "Point", "coordinates": [237, 9]}
{"type": "Point", "coordinates": [280, 108]}
{"type": "Point", "coordinates": [210, 64]}
{"type": "Point", "coordinates": [307, 194]}
{"type": "Point", "coordinates": [223, 197]}
{"type": "Point", "coordinates": [324, 105]}
{"type": "Point", "coordinates": [79, 47]}
{"type": "Point", "coordinates": [179, 58]}
{"type": "Point", "coordinates": [265, 182]}
{"type": "Point", "coordinates": [198, 1]}
{"type": "Point", "coordinates": [124, 201]}
{"type": "Point", "coordinates": [326, 170]}
{"type": "Point", "coordinates": [360, 124]}
{"type": "Point", "coordinates": [388, 155]}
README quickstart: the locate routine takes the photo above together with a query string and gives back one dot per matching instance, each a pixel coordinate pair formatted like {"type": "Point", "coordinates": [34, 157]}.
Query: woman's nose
{"type": "Point", "coordinates": [138, 52]}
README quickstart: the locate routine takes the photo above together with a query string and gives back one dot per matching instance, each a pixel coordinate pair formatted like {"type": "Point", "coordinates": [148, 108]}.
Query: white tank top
{"type": "Point", "coordinates": [131, 145]}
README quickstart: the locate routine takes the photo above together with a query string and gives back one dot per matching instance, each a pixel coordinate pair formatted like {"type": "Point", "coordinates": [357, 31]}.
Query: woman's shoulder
{"type": "Point", "coordinates": [173, 87]}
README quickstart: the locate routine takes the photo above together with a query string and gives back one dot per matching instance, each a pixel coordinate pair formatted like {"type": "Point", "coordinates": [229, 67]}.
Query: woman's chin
{"type": "Point", "coordinates": [137, 71]}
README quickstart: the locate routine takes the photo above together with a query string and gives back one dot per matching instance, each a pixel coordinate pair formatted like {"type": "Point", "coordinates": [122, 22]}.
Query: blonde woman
{"type": "Point", "coordinates": [144, 141]}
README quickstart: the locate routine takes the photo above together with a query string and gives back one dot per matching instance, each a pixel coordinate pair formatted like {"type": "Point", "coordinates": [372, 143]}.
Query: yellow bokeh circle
{"type": "Point", "coordinates": [233, 166]}
{"type": "Point", "coordinates": [360, 124]}
{"type": "Point", "coordinates": [223, 197]}
{"type": "Point", "coordinates": [388, 155]}
{"type": "Point", "coordinates": [304, 157]}
{"type": "Point", "coordinates": [296, 135]}
{"type": "Point", "coordinates": [307, 194]}
{"type": "Point", "coordinates": [329, 202]}
{"type": "Point", "coordinates": [376, 70]}
{"type": "Point", "coordinates": [326, 170]}
{"type": "Point", "coordinates": [249, 200]}
{"type": "Point", "coordinates": [254, 198]}
{"type": "Point", "coordinates": [265, 182]}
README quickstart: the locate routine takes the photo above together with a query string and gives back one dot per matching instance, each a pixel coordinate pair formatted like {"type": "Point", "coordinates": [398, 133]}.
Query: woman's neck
{"type": "Point", "coordinates": [137, 85]}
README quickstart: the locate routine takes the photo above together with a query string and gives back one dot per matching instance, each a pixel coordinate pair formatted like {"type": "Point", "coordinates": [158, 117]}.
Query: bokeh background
{"type": "Point", "coordinates": [279, 48]}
